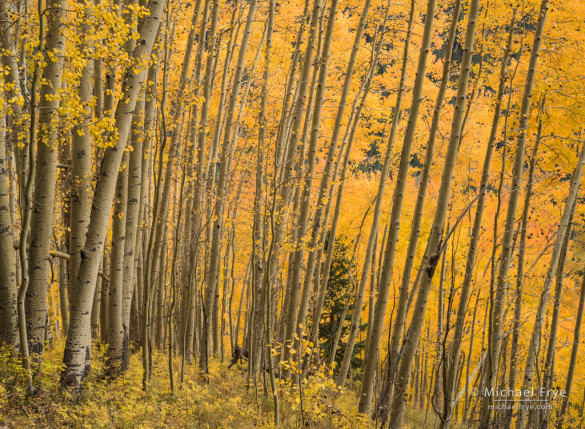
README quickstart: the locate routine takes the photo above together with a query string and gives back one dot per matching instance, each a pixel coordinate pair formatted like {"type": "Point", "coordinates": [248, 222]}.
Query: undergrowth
{"type": "Point", "coordinates": [222, 399]}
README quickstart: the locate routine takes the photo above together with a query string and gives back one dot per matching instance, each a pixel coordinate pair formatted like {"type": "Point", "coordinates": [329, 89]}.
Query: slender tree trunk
{"type": "Point", "coordinates": [574, 351]}
{"type": "Point", "coordinates": [402, 308]}
{"type": "Point", "coordinates": [455, 347]}
{"type": "Point", "coordinates": [549, 366]}
{"type": "Point", "coordinates": [77, 345]}
{"type": "Point", "coordinates": [348, 143]}
{"type": "Point", "coordinates": [218, 226]}
{"type": "Point", "coordinates": [545, 295]}
{"type": "Point", "coordinates": [41, 220]}
{"type": "Point", "coordinates": [26, 212]}
{"type": "Point", "coordinates": [134, 173]}
{"type": "Point", "coordinates": [437, 236]}
{"type": "Point", "coordinates": [8, 291]}
{"type": "Point", "coordinates": [497, 313]}
{"type": "Point", "coordinates": [287, 171]}
{"type": "Point", "coordinates": [520, 274]}
{"type": "Point", "coordinates": [375, 326]}
{"type": "Point", "coordinates": [116, 291]}
{"type": "Point", "coordinates": [299, 323]}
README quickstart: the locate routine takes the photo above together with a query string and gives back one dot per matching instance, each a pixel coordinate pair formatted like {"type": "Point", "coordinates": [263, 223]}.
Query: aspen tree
{"type": "Point", "coordinates": [316, 243]}
{"type": "Point", "coordinates": [8, 289]}
{"type": "Point", "coordinates": [520, 271]}
{"type": "Point", "coordinates": [549, 367]}
{"type": "Point", "coordinates": [574, 351]}
{"type": "Point", "coordinates": [455, 346]}
{"type": "Point", "coordinates": [77, 345]}
{"type": "Point", "coordinates": [435, 242]}
{"type": "Point", "coordinates": [12, 78]}
{"type": "Point", "coordinates": [401, 308]}
{"type": "Point", "coordinates": [261, 292]}
{"type": "Point", "coordinates": [375, 326]}
{"type": "Point", "coordinates": [115, 328]}
{"type": "Point", "coordinates": [26, 211]}
{"type": "Point", "coordinates": [41, 228]}
{"type": "Point", "coordinates": [133, 198]}
{"type": "Point", "coordinates": [143, 289]}
{"type": "Point", "coordinates": [348, 139]}
{"type": "Point", "coordinates": [496, 321]}
{"type": "Point", "coordinates": [200, 137]}
{"type": "Point", "coordinates": [545, 294]}
{"type": "Point", "coordinates": [288, 165]}
{"type": "Point", "coordinates": [342, 375]}
{"type": "Point", "coordinates": [214, 257]}
{"type": "Point", "coordinates": [80, 194]}
{"type": "Point", "coordinates": [300, 321]}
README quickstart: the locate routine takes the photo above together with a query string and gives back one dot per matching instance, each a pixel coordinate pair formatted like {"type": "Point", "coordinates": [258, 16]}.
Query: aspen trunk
{"type": "Point", "coordinates": [435, 242]}
{"type": "Point", "coordinates": [8, 267]}
{"type": "Point", "coordinates": [348, 139]}
{"type": "Point", "coordinates": [134, 173]}
{"type": "Point", "coordinates": [288, 165]}
{"type": "Point", "coordinates": [496, 319]}
{"type": "Point", "coordinates": [520, 274]}
{"type": "Point", "coordinates": [545, 295]}
{"type": "Point", "coordinates": [77, 345]}
{"type": "Point", "coordinates": [8, 313]}
{"type": "Point", "coordinates": [116, 292]}
{"type": "Point", "coordinates": [401, 308]}
{"type": "Point", "coordinates": [549, 366]}
{"type": "Point", "coordinates": [261, 292]}
{"type": "Point", "coordinates": [300, 322]}
{"type": "Point", "coordinates": [455, 347]}
{"type": "Point", "coordinates": [41, 220]}
{"type": "Point", "coordinates": [574, 352]}
{"type": "Point", "coordinates": [375, 326]}
{"type": "Point", "coordinates": [218, 226]}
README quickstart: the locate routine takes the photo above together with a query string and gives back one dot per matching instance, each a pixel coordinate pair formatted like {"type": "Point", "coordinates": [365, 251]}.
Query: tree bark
{"type": "Point", "coordinates": [77, 345]}
{"type": "Point", "coordinates": [41, 221]}
{"type": "Point", "coordinates": [455, 347]}
{"type": "Point", "coordinates": [496, 319]}
{"type": "Point", "coordinates": [435, 242]}
{"type": "Point", "coordinates": [545, 295]}
{"type": "Point", "coordinates": [375, 326]}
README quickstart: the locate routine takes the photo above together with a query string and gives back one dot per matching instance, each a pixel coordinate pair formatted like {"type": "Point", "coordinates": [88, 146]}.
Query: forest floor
{"type": "Point", "coordinates": [223, 400]}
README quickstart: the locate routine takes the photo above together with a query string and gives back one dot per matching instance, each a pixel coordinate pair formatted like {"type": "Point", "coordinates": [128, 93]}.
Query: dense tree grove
{"type": "Point", "coordinates": [369, 210]}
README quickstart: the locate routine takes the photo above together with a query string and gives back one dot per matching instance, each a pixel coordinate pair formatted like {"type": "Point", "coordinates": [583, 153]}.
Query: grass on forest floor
{"type": "Point", "coordinates": [223, 400]}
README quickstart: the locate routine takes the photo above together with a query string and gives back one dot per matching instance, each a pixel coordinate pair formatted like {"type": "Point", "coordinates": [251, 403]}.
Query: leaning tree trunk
{"type": "Point", "coordinates": [78, 341]}
{"type": "Point", "coordinates": [455, 347]}
{"type": "Point", "coordinates": [535, 339]}
{"type": "Point", "coordinates": [573, 360]}
{"type": "Point", "coordinates": [375, 326]}
{"type": "Point", "coordinates": [496, 319]}
{"type": "Point", "coordinates": [435, 242]}
{"type": "Point", "coordinates": [365, 275]}
{"type": "Point", "coordinates": [549, 367]}
{"type": "Point", "coordinates": [345, 151]}
{"type": "Point", "coordinates": [402, 309]}
{"type": "Point", "coordinates": [520, 275]}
